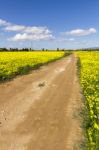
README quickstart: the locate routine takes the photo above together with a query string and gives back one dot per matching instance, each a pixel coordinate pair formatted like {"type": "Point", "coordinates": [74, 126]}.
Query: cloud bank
{"type": "Point", "coordinates": [81, 32]}
{"type": "Point", "coordinates": [26, 32]}
{"type": "Point", "coordinates": [38, 33]}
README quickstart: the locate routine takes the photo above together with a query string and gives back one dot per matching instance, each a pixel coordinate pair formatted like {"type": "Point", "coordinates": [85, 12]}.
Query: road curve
{"type": "Point", "coordinates": [38, 111]}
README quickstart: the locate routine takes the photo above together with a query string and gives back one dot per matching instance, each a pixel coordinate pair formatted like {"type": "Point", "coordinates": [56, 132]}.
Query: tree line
{"type": "Point", "coordinates": [26, 49]}
{"type": "Point", "coordinates": [43, 49]}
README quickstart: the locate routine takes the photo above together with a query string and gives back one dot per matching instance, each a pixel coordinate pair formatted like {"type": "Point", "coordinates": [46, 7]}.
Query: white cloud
{"type": "Point", "coordinates": [27, 32]}
{"type": "Point", "coordinates": [4, 23]}
{"type": "Point", "coordinates": [14, 28]}
{"type": "Point", "coordinates": [81, 32]}
{"type": "Point", "coordinates": [37, 30]}
{"type": "Point", "coordinates": [27, 29]}
{"type": "Point", "coordinates": [35, 37]}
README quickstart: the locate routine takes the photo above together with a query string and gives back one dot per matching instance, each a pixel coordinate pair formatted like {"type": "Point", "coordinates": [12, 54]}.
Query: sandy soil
{"type": "Point", "coordinates": [38, 111]}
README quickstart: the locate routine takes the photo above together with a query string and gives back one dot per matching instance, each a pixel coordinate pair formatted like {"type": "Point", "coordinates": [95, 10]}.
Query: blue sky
{"type": "Point", "coordinates": [49, 23]}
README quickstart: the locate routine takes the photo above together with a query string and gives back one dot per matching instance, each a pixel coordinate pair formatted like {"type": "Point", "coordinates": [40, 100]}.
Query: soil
{"type": "Point", "coordinates": [39, 111]}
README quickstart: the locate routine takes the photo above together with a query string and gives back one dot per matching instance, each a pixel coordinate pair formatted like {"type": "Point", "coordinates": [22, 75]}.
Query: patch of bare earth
{"type": "Point", "coordinates": [37, 111]}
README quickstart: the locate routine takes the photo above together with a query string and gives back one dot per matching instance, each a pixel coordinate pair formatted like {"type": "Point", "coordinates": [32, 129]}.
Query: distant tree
{"type": "Point", "coordinates": [43, 49]}
{"type": "Point", "coordinates": [3, 49]}
{"type": "Point", "coordinates": [57, 49]}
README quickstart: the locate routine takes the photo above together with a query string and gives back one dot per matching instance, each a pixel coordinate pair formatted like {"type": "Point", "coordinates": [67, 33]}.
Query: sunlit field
{"type": "Point", "coordinates": [89, 78]}
{"type": "Point", "coordinates": [14, 63]}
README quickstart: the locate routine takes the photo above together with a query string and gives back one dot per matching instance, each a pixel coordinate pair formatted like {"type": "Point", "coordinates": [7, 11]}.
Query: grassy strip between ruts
{"type": "Point", "coordinates": [18, 63]}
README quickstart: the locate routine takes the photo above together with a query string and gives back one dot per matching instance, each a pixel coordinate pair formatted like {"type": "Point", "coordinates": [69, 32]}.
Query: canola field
{"type": "Point", "coordinates": [14, 63]}
{"type": "Point", "coordinates": [89, 78]}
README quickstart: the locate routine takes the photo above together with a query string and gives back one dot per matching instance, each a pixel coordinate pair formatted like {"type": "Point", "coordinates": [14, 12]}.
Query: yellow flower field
{"type": "Point", "coordinates": [89, 78]}
{"type": "Point", "coordinates": [13, 63]}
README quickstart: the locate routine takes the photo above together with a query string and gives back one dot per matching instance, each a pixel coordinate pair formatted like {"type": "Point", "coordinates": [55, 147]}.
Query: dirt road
{"type": "Point", "coordinates": [38, 110]}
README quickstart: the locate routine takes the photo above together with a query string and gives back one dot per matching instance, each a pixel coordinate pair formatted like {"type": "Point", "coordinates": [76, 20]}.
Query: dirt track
{"type": "Point", "coordinates": [39, 111]}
